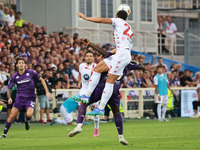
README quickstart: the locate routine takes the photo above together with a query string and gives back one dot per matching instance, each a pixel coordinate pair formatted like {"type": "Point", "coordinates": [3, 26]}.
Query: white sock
{"type": "Point", "coordinates": [107, 93]}
{"type": "Point", "coordinates": [121, 136]}
{"type": "Point", "coordinates": [96, 121]}
{"type": "Point", "coordinates": [164, 109]}
{"type": "Point", "coordinates": [61, 122]}
{"type": "Point", "coordinates": [159, 111]}
{"type": "Point", "coordinates": [94, 80]}
{"type": "Point", "coordinates": [79, 125]}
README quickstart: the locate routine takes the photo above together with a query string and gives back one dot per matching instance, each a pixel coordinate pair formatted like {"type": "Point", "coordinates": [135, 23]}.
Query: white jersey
{"type": "Point", "coordinates": [122, 33]}
{"type": "Point", "coordinates": [86, 72]}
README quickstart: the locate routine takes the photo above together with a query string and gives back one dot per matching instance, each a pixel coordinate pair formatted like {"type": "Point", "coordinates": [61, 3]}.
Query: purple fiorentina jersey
{"type": "Point", "coordinates": [25, 83]}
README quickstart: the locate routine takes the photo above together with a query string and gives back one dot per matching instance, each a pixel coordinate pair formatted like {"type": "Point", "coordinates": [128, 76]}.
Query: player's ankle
{"type": "Point", "coordinates": [79, 125]}
{"type": "Point", "coordinates": [121, 136]}
{"type": "Point", "coordinates": [101, 106]}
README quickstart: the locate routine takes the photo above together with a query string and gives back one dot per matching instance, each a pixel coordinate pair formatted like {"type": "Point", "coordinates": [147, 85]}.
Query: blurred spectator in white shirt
{"type": "Point", "coordinates": [171, 35]}
{"type": "Point", "coordinates": [10, 18]}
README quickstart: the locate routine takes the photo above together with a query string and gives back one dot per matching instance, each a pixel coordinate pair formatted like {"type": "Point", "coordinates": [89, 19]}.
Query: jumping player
{"type": "Point", "coordinates": [116, 64]}
{"type": "Point", "coordinates": [161, 85]}
{"type": "Point", "coordinates": [114, 103]}
{"type": "Point", "coordinates": [24, 79]}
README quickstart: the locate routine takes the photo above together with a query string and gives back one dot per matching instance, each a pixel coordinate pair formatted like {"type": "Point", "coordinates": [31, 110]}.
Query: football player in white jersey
{"type": "Point", "coordinates": [85, 72]}
{"type": "Point", "coordinates": [114, 64]}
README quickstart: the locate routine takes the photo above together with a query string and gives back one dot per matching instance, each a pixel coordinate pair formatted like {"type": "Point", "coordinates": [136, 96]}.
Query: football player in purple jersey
{"type": "Point", "coordinates": [25, 81]}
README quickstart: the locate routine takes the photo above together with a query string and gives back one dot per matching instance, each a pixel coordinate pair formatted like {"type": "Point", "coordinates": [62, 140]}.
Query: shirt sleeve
{"type": "Point", "coordinates": [113, 21]}
{"type": "Point", "coordinates": [12, 82]}
{"type": "Point", "coordinates": [155, 79]}
{"type": "Point", "coordinates": [175, 28]}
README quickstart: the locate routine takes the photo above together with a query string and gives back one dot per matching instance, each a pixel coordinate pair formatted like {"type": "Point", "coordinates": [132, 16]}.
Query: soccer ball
{"type": "Point", "coordinates": [124, 7]}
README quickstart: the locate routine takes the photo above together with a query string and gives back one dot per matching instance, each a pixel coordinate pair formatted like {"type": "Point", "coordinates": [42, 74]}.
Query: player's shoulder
{"type": "Point", "coordinates": [14, 75]}
{"type": "Point", "coordinates": [30, 71]}
{"type": "Point", "coordinates": [82, 64]}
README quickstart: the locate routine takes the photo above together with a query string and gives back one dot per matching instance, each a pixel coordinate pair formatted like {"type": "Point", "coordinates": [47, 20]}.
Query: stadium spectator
{"type": "Point", "coordinates": [160, 62]}
{"type": "Point", "coordinates": [171, 35]}
{"type": "Point", "coordinates": [10, 18]}
{"type": "Point", "coordinates": [186, 80]}
{"type": "Point", "coordinates": [146, 82]}
{"type": "Point", "coordinates": [162, 27]}
{"type": "Point", "coordinates": [6, 11]}
{"type": "Point", "coordinates": [43, 99]}
{"type": "Point", "coordinates": [196, 79]}
{"type": "Point", "coordinates": [19, 21]}
{"type": "Point", "coordinates": [2, 18]}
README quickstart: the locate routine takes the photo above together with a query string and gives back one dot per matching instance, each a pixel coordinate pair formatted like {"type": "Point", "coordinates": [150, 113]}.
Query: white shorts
{"type": "Point", "coordinates": [118, 61]}
{"type": "Point", "coordinates": [67, 116]}
{"type": "Point", "coordinates": [164, 99]}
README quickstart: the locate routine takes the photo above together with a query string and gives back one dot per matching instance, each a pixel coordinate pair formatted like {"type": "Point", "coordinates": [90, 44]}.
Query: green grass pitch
{"type": "Point", "coordinates": [178, 134]}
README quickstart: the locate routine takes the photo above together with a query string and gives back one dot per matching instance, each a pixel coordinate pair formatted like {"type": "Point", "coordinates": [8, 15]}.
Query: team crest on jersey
{"type": "Point", "coordinates": [86, 77]}
{"type": "Point", "coordinates": [27, 74]}
{"type": "Point", "coordinates": [17, 77]}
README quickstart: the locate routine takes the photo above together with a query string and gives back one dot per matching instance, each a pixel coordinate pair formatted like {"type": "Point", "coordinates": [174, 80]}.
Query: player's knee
{"type": "Point", "coordinates": [29, 115]}
{"type": "Point", "coordinates": [11, 118]}
{"type": "Point", "coordinates": [69, 123]}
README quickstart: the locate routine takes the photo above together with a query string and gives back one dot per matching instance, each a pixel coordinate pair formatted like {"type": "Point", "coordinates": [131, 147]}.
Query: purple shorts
{"type": "Point", "coordinates": [21, 103]}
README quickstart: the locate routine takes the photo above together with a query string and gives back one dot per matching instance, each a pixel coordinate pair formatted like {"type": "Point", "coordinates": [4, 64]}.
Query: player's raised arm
{"type": "Point", "coordinates": [45, 87]}
{"type": "Point", "coordinates": [95, 19]}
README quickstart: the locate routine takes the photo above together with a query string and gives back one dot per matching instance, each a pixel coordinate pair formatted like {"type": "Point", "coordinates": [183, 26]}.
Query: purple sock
{"type": "Point", "coordinates": [81, 113]}
{"type": "Point", "coordinates": [118, 123]}
{"type": "Point", "coordinates": [7, 127]}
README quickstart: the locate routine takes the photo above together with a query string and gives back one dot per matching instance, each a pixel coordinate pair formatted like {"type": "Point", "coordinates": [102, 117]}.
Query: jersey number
{"type": "Point", "coordinates": [126, 31]}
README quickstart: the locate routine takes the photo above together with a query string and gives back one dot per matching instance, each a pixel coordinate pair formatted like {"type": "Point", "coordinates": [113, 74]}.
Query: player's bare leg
{"type": "Point", "coordinates": [107, 93]}
{"type": "Point", "coordinates": [80, 119]}
{"type": "Point", "coordinates": [29, 114]}
{"type": "Point", "coordinates": [14, 113]}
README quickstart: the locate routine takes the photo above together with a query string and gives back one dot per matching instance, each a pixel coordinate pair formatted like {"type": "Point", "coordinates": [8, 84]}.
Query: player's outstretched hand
{"type": "Point", "coordinates": [81, 15]}
{"type": "Point", "coordinates": [10, 101]}
{"type": "Point", "coordinates": [48, 95]}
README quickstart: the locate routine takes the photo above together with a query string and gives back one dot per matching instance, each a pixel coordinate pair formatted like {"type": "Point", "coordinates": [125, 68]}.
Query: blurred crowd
{"type": "Point", "coordinates": [59, 55]}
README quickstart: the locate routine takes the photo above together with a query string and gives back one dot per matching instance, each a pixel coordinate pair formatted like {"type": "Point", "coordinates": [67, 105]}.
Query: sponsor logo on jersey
{"type": "Point", "coordinates": [27, 74]}
{"type": "Point", "coordinates": [86, 77]}
{"type": "Point", "coordinates": [17, 77]}
{"type": "Point", "coordinates": [24, 81]}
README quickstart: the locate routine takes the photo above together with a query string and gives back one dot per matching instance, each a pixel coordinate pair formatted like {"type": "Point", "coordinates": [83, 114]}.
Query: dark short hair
{"type": "Point", "coordinates": [36, 66]}
{"type": "Point", "coordinates": [160, 66]}
{"type": "Point", "coordinates": [122, 14]}
{"type": "Point", "coordinates": [19, 12]}
{"type": "Point", "coordinates": [180, 73]}
{"type": "Point", "coordinates": [88, 51]}
{"type": "Point", "coordinates": [160, 58]}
